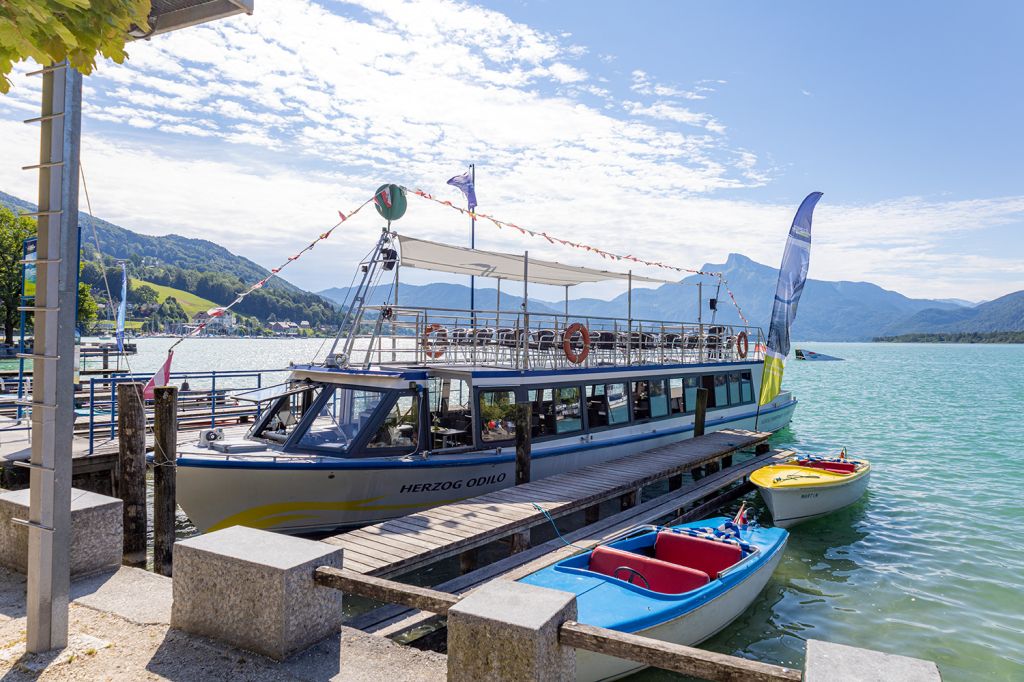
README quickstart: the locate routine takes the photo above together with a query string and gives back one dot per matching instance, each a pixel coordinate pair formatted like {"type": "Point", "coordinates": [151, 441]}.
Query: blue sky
{"type": "Point", "coordinates": [677, 131]}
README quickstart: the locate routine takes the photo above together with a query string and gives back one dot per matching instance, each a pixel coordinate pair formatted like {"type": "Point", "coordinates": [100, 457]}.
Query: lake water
{"type": "Point", "coordinates": [929, 564]}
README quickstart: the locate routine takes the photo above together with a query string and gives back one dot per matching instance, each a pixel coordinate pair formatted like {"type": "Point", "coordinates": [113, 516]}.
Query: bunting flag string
{"type": "Point", "coordinates": [219, 311]}
{"type": "Point", "coordinates": [576, 245]}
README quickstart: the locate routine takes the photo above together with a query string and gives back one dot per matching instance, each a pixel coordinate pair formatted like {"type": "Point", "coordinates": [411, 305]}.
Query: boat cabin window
{"type": "Point", "coordinates": [650, 401]}
{"type": "Point", "coordinates": [676, 397]}
{"type": "Point", "coordinates": [497, 416]}
{"type": "Point", "coordinates": [451, 414]}
{"type": "Point", "coordinates": [746, 386]}
{"type": "Point", "coordinates": [556, 411]}
{"type": "Point", "coordinates": [607, 405]}
{"type": "Point", "coordinates": [400, 429]}
{"type": "Point", "coordinates": [690, 386]}
{"type": "Point", "coordinates": [277, 425]}
{"type": "Point", "coordinates": [718, 390]}
{"type": "Point", "coordinates": [341, 419]}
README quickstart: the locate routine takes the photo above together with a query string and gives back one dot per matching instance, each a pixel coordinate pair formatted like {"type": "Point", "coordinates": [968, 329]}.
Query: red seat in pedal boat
{"type": "Point", "coordinates": [681, 563]}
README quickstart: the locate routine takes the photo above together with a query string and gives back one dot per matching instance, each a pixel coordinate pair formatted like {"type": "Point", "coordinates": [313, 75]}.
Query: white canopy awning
{"type": "Point", "coordinates": [418, 253]}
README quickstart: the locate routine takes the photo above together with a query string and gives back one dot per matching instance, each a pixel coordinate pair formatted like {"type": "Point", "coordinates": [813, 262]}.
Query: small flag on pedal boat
{"type": "Point", "coordinates": [161, 378]}
{"type": "Point", "coordinates": [741, 517]}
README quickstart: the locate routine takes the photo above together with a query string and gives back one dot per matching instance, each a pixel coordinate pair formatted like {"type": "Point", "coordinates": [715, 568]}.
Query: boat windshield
{"type": "Point", "coordinates": [341, 419]}
{"type": "Point", "coordinates": [279, 422]}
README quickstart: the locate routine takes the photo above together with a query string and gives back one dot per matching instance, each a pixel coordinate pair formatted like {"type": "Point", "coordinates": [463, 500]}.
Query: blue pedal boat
{"type": "Point", "coordinates": [680, 584]}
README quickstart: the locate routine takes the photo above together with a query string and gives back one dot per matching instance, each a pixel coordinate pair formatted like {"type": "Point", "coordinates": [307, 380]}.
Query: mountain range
{"type": "Point", "coordinates": [829, 310]}
{"type": "Point", "coordinates": [197, 266]}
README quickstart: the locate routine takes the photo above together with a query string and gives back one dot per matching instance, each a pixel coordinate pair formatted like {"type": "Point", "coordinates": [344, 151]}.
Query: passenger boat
{"type": "Point", "coordinates": [681, 584]}
{"type": "Point", "coordinates": [413, 406]}
{"type": "Point", "coordinates": [808, 487]}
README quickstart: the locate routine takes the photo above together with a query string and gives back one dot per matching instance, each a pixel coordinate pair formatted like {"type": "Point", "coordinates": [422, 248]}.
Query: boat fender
{"type": "Point", "coordinates": [572, 355]}
{"type": "Point", "coordinates": [742, 344]}
{"type": "Point", "coordinates": [434, 348]}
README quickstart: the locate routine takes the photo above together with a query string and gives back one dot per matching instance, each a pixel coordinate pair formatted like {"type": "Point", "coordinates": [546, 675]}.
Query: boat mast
{"type": "Point", "coordinates": [349, 327]}
{"type": "Point", "coordinates": [472, 245]}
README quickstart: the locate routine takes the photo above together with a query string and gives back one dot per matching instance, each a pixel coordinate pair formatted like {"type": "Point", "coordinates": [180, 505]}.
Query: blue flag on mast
{"type": "Point", "coordinates": [121, 309]}
{"type": "Point", "coordinates": [792, 276]}
{"type": "Point", "coordinates": [465, 183]}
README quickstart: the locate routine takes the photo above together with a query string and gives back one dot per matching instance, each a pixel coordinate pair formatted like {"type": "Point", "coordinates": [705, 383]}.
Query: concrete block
{"type": "Point", "coordinates": [254, 590]}
{"type": "Point", "coordinates": [828, 662]}
{"type": "Point", "coordinates": [506, 630]}
{"type": "Point", "coordinates": [96, 535]}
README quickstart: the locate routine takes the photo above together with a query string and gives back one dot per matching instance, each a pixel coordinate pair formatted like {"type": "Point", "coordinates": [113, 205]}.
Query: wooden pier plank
{"type": "Point", "coordinates": [432, 535]}
{"type": "Point", "coordinates": [390, 621]}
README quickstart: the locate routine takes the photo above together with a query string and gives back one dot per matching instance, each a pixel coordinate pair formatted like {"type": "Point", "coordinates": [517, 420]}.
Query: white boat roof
{"type": "Point", "coordinates": [427, 255]}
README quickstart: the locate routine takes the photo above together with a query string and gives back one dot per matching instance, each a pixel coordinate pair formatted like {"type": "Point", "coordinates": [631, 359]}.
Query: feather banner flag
{"type": "Point", "coordinates": [465, 183]}
{"type": "Point", "coordinates": [161, 378]}
{"type": "Point", "coordinates": [122, 308]}
{"type": "Point", "coordinates": [792, 277]}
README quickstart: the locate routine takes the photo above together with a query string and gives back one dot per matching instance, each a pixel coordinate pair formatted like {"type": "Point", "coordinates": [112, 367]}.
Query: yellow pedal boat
{"type": "Point", "coordinates": [806, 488]}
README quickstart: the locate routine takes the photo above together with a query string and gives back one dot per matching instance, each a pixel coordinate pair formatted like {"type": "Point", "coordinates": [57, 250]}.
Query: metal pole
{"type": "Point", "coordinates": [566, 302]}
{"type": "Point", "coordinates": [472, 243]}
{"type": "Point", "coordinates": [629, 318]}
{"type": "Point", "coordinates": [526, 315]}
{"type": "Point", "coordinates": [49, 522]}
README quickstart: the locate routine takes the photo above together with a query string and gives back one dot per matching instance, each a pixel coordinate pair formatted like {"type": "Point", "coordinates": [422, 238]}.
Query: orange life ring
{"type": "Point", "coordinates": [571, 354]}
{"type": "Point", "coordinates": [742, 345]}
{"type": "Point", "coordinates": [434, 348]}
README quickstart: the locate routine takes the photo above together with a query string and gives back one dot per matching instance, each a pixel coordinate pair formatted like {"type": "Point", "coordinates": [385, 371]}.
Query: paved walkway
{"type": "Point", "coordinates": [119, 631]}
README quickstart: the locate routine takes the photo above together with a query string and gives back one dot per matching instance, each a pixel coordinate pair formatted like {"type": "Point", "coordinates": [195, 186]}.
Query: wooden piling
{"type": "Point", "coordinates": [628, 500]}
{"type": "Point", "coordinates": [523, 421]}
{"type": "Point", "coordinates": [699, 417]}
{"type": "Point", "coordinates": [520, 542]}
{"type": "Point", "coordinates": [469, 560]}
{"type": "Point", "coordinates": [131, 446]}
{"type": "Point", "coordinates": [592, 514]}
{"type": "Point", "coordinates": [700, 412]}
{"type": "Point", "coordinates": [165, 453]}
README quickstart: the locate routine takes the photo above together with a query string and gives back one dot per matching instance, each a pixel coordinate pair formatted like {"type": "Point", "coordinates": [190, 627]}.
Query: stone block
{"type": "Point", "coordinates": [254, 590]}
{"type": "Point", "coordinates": [828, 662]}
{"type": "Point", "coordinates": [508, 631]}
{"type": "Point", "coordinates": [96, 531]}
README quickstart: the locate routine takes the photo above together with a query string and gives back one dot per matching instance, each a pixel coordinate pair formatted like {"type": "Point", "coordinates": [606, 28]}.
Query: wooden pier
{"type": "Point", "coordinates": [401, 545]}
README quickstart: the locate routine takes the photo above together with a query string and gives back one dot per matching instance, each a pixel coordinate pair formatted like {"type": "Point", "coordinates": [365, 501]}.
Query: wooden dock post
{"type": "Point", "coordinates": [523, 421]}
{"type": "Point", "coordinates": [700, 411]}
{"type": "Point", "coordinates": [165, 453]}
{"type": "Point", "coordinates": [524, 425]}
{"type": "Point", "coordinates": [131, 488]}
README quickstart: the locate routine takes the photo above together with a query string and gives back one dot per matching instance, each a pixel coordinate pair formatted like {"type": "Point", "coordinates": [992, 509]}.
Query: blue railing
{"type": "Point", "coordinates": [207, 391]}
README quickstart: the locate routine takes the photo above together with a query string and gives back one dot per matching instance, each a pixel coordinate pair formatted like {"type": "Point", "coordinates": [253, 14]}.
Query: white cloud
{"type": "Point", "coordinates": [254, 131]}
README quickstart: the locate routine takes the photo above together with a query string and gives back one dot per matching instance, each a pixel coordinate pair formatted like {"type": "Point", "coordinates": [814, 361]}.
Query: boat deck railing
{"type": "Point", "coordinates": [538, 340]}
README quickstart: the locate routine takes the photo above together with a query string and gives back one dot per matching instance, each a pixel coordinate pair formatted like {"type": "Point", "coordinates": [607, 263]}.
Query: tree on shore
{"type": "Point", "coordinates": [51, 31]}
{"type": "Point", "coordinates": [14, 230]}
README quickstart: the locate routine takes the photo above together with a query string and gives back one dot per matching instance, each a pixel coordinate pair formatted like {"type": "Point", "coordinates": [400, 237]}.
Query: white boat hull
{"type": "Point", "coordinates": [690, 629]}
{"type": "Point", "coordinates": [301, 494]}
{"type": "Point", "coordinates": [791, 505]}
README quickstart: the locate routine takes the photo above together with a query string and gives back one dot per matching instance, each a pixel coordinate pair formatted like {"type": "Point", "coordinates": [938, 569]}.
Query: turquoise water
{"type": "Point", "coordinates": [929, 564]}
